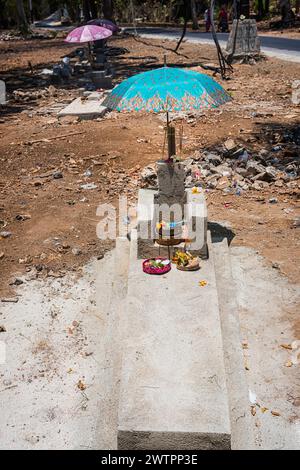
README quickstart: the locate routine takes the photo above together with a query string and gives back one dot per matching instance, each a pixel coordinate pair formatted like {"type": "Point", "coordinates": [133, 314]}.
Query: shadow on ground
{"type": "Point", "coordinates": [219, 232]}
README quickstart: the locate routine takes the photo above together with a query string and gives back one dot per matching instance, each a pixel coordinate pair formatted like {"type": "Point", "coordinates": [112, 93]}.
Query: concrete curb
{"type": "Point", "coordinates": [242, 436]}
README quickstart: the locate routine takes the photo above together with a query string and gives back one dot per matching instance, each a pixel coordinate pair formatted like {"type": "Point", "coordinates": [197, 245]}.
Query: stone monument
{"type": "Point", "coordinates": [243, 42]}
{"type": "Point", "coordinates": [171, 216]}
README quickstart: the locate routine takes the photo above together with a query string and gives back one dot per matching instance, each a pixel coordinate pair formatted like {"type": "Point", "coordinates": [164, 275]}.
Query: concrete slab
{"type": "Point", "coordinates": [85, 109]}
{"type": "Point", "coordinates": [173, 390]}
{"type": "Point", "coordinates": [242, 435]}
{"type": "Point", "coordinates": [110, 303]}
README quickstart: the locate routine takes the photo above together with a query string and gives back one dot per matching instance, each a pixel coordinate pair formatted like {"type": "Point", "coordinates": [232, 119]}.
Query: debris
{"type": "Point", "coordinates": [31, 142]}
{"type": "Point", "coordinates": [1, 254]}
{"type": "Point", "coordinates": [76, 251]}
{"type": "Point", "coordinates": [57, 175]}
{"type": "Point", "coordinates": [10, 300]}
{"type": "Point", "coordinates": [275, 413]}
{"type": "Point", "coordinates": [273, 200]}
{"type": "Point", "coordinates": [81, 385]}
{"type": "Point", "coordinates": [88, 186]}
{"type": "Point", "coordinates": [2, 329]}
{"type": "Point", "coordinates": [22, 217]}
{"type": "Point", "coordinates": [202, 283]}
{"type": "Point", "coordinates": [148, 175]}
{"type": "Point", "coordinates": [253, 410]}
{"type": "Point", "coordinates": [296, 223]}
{"type": "Point", "coordinates": [288, 364]}
{"type": "Point", "coordinates": [230, 145]}
{"type": "Point", "coordinates": [8, 388]}
{"type": "Point", "coordinates": [17, 282]}
{"type": "Point", "coordinates": [252, 398]}
{"type": "Point", "coordinates": [5, 234]}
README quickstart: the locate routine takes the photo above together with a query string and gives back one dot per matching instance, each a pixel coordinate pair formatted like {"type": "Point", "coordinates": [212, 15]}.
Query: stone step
{"type": "Point", "coordinates": [111, 291]}
{"type": "Point", "coordinates": [242, 436]}
{"type": "Point", "coordinates": [173, 388]}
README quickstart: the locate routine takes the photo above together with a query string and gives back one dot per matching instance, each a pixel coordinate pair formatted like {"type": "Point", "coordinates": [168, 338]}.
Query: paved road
{"type": "Point", "coordinates": [283, 48]}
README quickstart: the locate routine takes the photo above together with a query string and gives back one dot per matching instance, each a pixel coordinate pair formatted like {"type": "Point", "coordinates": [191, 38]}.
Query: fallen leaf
{"type": "Point", "coordinates": [275, 413]}
{"type": "Point", "coordinates": [288, 364]}
{"type": "Point", "coordinates": [81, 385]}
{"type": "Point", "coordinates": [253, 410]}
{"type": "Point", "coordinates": [286, 346]}
{"type": "Point", "coordinates": [264, 409]}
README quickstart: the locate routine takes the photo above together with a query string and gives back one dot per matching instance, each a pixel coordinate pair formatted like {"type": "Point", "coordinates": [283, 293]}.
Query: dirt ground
{"type": "Point", "coordinates": [60, 336]}
{"type": "Point", "coordinates": [59, 234]}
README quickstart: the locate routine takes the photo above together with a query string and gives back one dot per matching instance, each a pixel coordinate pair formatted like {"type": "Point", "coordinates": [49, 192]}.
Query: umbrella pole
{"type": "Point", "coordinates": [171, 140]}
{"type": "Point", "coordinates": [90, 52]}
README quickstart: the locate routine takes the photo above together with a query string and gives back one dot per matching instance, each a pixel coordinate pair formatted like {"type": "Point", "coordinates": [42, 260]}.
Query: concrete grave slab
{"type": "Point", "coordinates": [85, 109]}
{"type": "Point", "coordinates": [173, 388]}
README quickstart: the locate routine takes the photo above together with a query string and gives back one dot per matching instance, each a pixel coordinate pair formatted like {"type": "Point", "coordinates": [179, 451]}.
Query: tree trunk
{"type": "Point", "coordinates": [287, 15]}
{"type": "Point", "coordinates": [108, 9]}
{"type": "Point", "coordinates": [3, 15]}
{"type": "Point", "coordinates": [72, 10]}
{"type": "Point", "coordinates": [22, 20]}
{"type": "Point", "coordinates": [267, 7]}
{"type": "Point", "coordinates": [94, 9]}
{"type": "Point", "coordinates": [86, 10]}
{"type": "Point", "coordinates": [194, 15]}
{"type": "Point", "coordinates": [260, 7]}
{"type": "Point", "coordinates": [244, 8]}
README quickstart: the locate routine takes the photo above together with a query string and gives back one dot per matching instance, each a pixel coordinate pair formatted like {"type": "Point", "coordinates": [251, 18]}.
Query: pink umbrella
{"type": "Point", "coordinates": [88, 33]}
{"type": "Point", "coordinates": [105, 24]}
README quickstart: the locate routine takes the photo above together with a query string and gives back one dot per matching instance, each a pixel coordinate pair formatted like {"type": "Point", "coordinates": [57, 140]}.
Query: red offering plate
{"type": "Point", "coordinates": [156, 265]}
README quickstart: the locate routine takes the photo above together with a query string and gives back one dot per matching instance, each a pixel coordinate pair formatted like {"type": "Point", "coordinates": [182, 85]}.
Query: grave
{"type": "Point", "coordinates": [88, 106]}
{"type": "Point", "coordinates": [173, 391]}
{"type": "Point", "coordinates": [243, 42]}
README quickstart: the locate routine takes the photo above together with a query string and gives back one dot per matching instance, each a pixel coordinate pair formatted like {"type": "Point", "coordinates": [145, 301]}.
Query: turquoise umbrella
{"type": "Point", "coordinates": [167, 89]}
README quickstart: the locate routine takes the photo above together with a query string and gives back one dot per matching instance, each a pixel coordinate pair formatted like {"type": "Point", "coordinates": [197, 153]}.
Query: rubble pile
{"type": "Point", "coordinates": [24, 96]}
{"type": "Point", "coordinates": [234, 169]}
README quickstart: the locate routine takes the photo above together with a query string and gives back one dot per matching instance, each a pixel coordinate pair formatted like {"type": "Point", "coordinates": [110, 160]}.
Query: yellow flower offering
{"type": "Point", "coordinates": [195, 190]}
